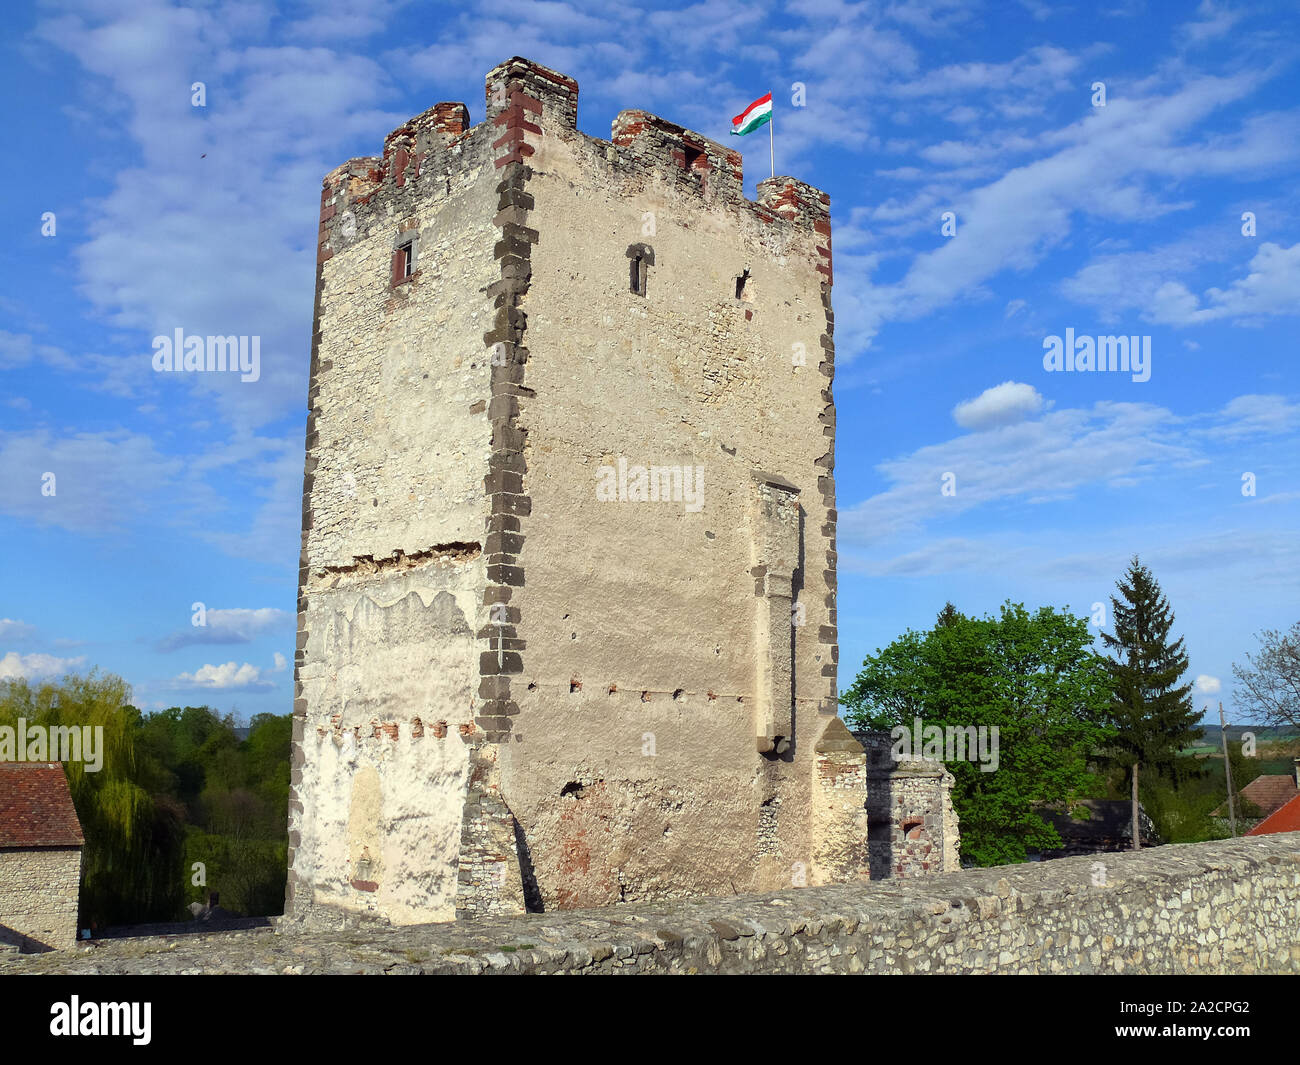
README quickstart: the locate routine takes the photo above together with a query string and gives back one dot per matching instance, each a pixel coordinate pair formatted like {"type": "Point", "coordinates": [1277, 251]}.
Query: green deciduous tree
{"type": "Point", "coordinates": [174, 787]}
{"type": "Point", "coordinates": [1032, 676]}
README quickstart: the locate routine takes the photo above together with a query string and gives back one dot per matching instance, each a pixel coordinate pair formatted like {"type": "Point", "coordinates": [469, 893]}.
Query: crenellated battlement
{"type": "Point", "coordinates": [524, 103]}
{"type": "Point", "coordinates": [510, 83]}
{"type": "Point", "coordinates": [689, 157]}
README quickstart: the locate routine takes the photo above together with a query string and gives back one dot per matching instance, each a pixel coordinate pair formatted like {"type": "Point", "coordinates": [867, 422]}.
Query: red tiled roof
{"type": "Point", "coordinates": [1270, 793]}
{"type": "Point", "coordinates": [1286, 819]}
{"type": "Point", "coordinates": [36, 806]}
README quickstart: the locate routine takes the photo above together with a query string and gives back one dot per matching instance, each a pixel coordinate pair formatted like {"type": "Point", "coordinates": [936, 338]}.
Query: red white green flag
{"type": "Point", "coordinates": [755, 115]}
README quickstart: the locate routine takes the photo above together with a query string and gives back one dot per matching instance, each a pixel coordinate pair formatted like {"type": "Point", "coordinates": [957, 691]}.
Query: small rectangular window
{"type": "Point", "coordinates": [640, 258]}
{"type": "Point", "coordinates": [404, 261]}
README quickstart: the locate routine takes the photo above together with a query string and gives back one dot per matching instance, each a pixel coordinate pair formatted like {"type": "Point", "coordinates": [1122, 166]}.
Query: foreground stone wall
{"type": "Point", "coordinates": [1231, 906]}
{"type": "Point", "coordinates": [38, 897]}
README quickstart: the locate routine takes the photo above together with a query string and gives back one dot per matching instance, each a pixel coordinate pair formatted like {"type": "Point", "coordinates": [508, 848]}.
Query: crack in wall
{"type": "Point", "coordinates": [454, 553]}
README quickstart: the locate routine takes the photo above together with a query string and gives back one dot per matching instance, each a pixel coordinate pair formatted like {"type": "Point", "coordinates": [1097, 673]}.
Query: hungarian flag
{"type": "Point", "coordinates": [755, 115]}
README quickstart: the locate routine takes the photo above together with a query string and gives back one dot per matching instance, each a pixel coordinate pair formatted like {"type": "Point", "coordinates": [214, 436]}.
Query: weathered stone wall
{"type": "Point", "coordinates": [39, 888]}
{"type": "Point", "coordinates": [1231, 906]}
{"type": "Point", "coordinates": [653, 663]}
{"type": "Point", "coordinates": [840, 819]}
{"type": "Point", "coordinates": [638, 686]}
{"type": "Point", "coordinates": [393, 561]}
{"type": "Point", "coordinates": [913, 824]}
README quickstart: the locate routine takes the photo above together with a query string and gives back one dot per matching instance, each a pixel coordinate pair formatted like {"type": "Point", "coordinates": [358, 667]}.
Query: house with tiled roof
{"type": "Point", "coordinates": [1287, 819]}
{"type": "Point", "coordinates": [1264, 796]}
{"type": "Point", "coordinates": [1270, 793]}
{"type": "Point", "coordinates": [1096, 826]}
{"type": "Point", "coordinates": [40, 858]}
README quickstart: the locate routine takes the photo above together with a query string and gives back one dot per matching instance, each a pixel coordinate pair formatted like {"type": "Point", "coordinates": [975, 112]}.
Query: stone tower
{"type": "Point", "coordinates": [567, 590]}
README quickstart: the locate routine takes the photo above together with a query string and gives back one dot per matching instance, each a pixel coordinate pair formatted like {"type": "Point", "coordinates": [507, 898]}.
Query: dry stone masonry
{"type": "Point", "coordinates": [1231, 906]}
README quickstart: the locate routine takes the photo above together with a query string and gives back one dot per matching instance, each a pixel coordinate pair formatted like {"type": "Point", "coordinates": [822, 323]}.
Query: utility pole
{"type": "Point", "coordinates": [1227, 769]}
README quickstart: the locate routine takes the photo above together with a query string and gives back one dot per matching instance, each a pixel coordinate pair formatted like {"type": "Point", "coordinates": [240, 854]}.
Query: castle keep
{"type": "Point", "coordinates": [567, 629]}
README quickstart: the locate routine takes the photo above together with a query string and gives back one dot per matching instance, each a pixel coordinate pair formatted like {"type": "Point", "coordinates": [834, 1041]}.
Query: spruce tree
{"type": "Point", "coordinates": [948, 616]}
{"type": "Point", "coordinates": [1151, 712]}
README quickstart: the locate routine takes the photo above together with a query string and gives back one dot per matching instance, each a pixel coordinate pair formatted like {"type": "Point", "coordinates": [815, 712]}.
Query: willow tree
{"type": "Point", "coordinates": [131, 862]}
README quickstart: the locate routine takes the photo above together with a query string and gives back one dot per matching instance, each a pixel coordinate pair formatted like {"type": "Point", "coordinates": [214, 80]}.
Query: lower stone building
{"type": "Point", "coordinates": [912, 827]}
{"type": "Point", "coordinates": [40, 858]}
{"type": "Point", "coordinates": [1096, 826]}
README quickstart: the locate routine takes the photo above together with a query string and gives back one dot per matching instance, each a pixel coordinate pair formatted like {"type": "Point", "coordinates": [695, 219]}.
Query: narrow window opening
{"type": "Point", "coordinates": [695, 157]}
{"type": "Point", "coordinates": [743, 291]}
{"type": "Point", "coordinates": [640, 258]}
{"type": "Point", "coordinates": [404, 260]}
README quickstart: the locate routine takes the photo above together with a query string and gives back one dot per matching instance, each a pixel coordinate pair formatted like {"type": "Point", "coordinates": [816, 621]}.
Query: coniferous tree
{"type": "Point", "coordinates": [948, 616]}
{"type": "Point", "coordinates": [1152, 714]}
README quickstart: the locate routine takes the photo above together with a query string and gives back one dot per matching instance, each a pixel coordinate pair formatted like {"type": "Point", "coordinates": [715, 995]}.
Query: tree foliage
{"type": "Point", "coordinates": [1269, 683]}
{"type": "Point", "coordinates": [1151, 712]}
{"type": "Point", "coordinates": [175, 787]}
{"type": "Point", "coordinates": [1032, 676]}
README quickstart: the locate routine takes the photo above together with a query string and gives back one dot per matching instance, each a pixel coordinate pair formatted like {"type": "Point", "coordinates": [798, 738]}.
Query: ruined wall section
{"type": "Point", "coordinates": [635, 775]}
{"type": "Point", "coordinates": [913, 826]}
{"type": "Point", "coordinates": [393, 561]}
{"type": "Point", "coordinates": [840, 820]}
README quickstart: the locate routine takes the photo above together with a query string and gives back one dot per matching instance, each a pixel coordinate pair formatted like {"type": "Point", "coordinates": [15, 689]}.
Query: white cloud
{"type": "Point", "coordinates": [1049, 458]}
{"type": "Point", "coordinates": [1110, 165]}
{"type": "Point", "coordinates": [297, 111]}
{"type": "Point", "coordinates": [1001, 405]}
{"type": "Point", "coordinates": [280, 662]}
{"type": "Point", "coordinates": [226, 676]}
{"type": "Point", "coordinates": [1215, 21]}
{"type": "Point", "coordinates": [1249, 415]}
{"type": "Point", "coordinates": [36, 666]}
{"type": "Point", "coordinates": [236, 625]}
{"type": "Point", "coordinates": [1271, 287]}
{"type": "Point", "coordinates": [11, 629]}
{"type": "Point", "coordinates": [101, 480]}
{"type": "Point", "coordinates": [1208, 685]}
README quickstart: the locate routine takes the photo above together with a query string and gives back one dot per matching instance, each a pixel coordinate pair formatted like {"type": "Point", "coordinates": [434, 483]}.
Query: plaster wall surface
{"type": "Point", "coordinates": [640, 617]}
{"type": "Point", "coordinates": [637, 701]}
{"type": "Point", "coordinates": [393, 566]}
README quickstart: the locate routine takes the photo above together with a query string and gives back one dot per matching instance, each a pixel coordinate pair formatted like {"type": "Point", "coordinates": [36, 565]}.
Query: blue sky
{"type": "Point", "coordinates": [1122, 219]}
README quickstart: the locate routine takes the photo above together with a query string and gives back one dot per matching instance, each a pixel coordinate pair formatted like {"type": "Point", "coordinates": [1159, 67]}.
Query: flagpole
{"type": "Point", "coordinates": [771, 142]}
